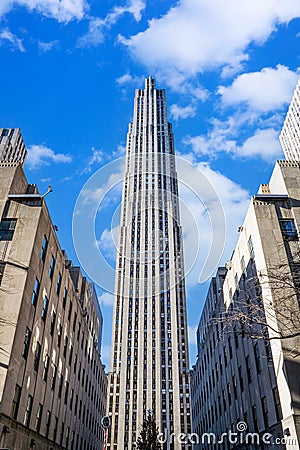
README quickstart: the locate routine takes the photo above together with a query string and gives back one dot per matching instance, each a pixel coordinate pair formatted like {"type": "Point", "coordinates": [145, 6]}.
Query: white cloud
{"type": "Point", "coordinates": [40, 155]}
{"type": "Point", "coordinates": [197, 35]}
{"type": "Point", "coordinates": [264, 143]}
{"type": "Point", "coordinates": [98, 27]}
{"type": "Point", "coordinates": [95, 35]}
{"type": "Point", "coordinates": [201, 219]}
{"type": "Point", "coordinates": [61, 10]}
{"type": "Point", "coordinates": [7, 37]}
{"type": "Point", "coordinates": [264, 91]}
{"type": "Point", "coordinates": [45, 47]}
{"type": "Point", "coordinates": [106, 299]}
{"type": "Point", "coordinates": [178, 112]}
{"type": "Point", "coordinates": [128, 78]}
{"type": "Point", "coordinates": [107, 242]}
{"type": "Point", "coordinates": [97, 157]}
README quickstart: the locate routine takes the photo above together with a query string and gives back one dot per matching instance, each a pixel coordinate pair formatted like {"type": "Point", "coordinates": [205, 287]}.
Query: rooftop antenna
{"type": "Point", "coordinates": [48, 192]}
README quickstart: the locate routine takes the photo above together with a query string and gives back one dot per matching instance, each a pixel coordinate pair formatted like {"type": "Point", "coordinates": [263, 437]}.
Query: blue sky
{"type": "Point", "coordinates": [68, 71]}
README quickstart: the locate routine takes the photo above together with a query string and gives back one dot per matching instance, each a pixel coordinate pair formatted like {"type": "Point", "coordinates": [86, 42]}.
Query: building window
{"type": "Point", "coordinates": [53, 319]}
{"type": "Point", "coordinates": [35, 293]}
{"type": "Point", "coordinates": [65, 346]}
{"type": "Point", "coordinates": [66, 392]}
{"type": "Point", "coordinates": [51, 267]}
{"type": "Point", "coordinates": [54, 374]}
{"type": "Point", "coordinates": [7, 228]}
{"type": "Point", "coordinates": [28, 411]}
{"type": "Point", "coordinates": [265, 411]}
{"type": "Point", "coordinates": [48, 421]}
{"type": "Point", "coordinates": [2, 267]}
{"type": "Point", "coordinates": [277, 404]}
{"type": "Point", "coordinates": [26, 343]}
{"type": "Point", "coordinates": [241, 379]}
{"type": "Point", "coordinates": [39, 418]}
{"type": "Point", "coordinates": [257, 357]}
{"type": "Point", "coordinates": [59, 333]}
{"type": "Point", "coordinates": [248, 367]}
{"type": "Point", "coordinates": [62, 431]}
{"type": "Point", "coordinates": [45, 308]}
{"type": "Point", "coordinates": [16, 402]}
{"type": "Point", "coordinates": [288, 229]}
{"type": "Point", "coordinates": [61, 382]}
{"type": "Point", "coordinates": [46, 367]}
{"type": "Point", "coordinates": [58, 284]}
{"type": "Point", "coordinates": [37, 356]}
{"type": "Point", "coordinates": [70, 311]}
{"type": "Point", "coordinates": [44, 249]}
{"type": "Point", "coordinates": [251, 248]}
{"type": "Point", "coordinates": [254, 417]}
{"type": "Point", "coordinates": [65, 298]}
{"type": "Point", "coordinates": [55, 429]}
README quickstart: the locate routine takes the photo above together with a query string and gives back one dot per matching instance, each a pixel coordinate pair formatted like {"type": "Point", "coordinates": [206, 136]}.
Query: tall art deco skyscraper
{"type": "Point", "coordinates": [149, 364]}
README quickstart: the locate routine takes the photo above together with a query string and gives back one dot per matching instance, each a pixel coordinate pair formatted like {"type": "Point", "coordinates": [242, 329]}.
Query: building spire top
{"type": "Point", "coordinates": [150, 83]}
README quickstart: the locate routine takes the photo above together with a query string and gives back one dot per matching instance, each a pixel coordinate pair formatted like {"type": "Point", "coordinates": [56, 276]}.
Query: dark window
{"type": "Point", "coordinates": [53, 319]}
{"type": "Point", "coordinates": [241, 379]}
{"type": "Point", "coordinates": [277, 404]}
{"type": "Point", "coordinates": [26, 343]}
{"type": "Point", "coordinates": [16, 402]}
{"type": "Point", "coordinates": [53, 381]}
{"type": "Point", "coordinates": [37, 356]}
{"type": "Point", "coordinates": [51, 267]}
{"type": "Point", "coordinates": [254, 417]}
{"type": "Point", "coordinates": [39, 418]}
{"type": "Point", "coordinates": [70, 310]}
{"type": "Point", "coordinates": [28, 411]}
{"type": "Point", "coordinates": [257, 357]}
{"type": "Point", "coordinates": [45, 308]}
{"type": "Point", "coordinates": [74, 321]}
{"type": "Point", "coordinates": [46, 367]}
{"type": "Point", "coordinates": [58, 284]}
{"type": "Point", "coordinates": [48, 421]}
{"type": "Point", "coordinates": [59, 333]}
{"type": "Point", "coordinates": [66, 392]}
{"type": "Point", "coordinates": [265, 411]}
{"type": "Point", "coordinates": [35, 293]}
{"type": "Point", "coordinates": [248, 367]}
{"type": "Point", "coordinates": [288, 228]}
{"type": "Point", "coordinates": [62, 430]}
{"type": "Point", "coordinates": [44, 249]}
{"type": "Point", "coordinates": [55, 429]}
{"type": "Point", "coordinates": [7, 228]}
{"type": "Point", "coordinates": [65, 346]}
{"type": "Point", "coordinates": [65, 298]}
{"type": "Point", "coordinates": [61, 382]}
{"type": "Point", "coordinates": [2, 267]}
{"type": "Point", "coordinates": [234, 386]}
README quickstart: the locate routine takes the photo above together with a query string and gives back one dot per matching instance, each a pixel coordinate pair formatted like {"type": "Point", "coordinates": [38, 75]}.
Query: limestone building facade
{"type": "Point", "coordinates": [290, 133]}
{"type": "Point", "coordinates": [247, 373]}
{"type": "Point", "coordinates": [52, 381]}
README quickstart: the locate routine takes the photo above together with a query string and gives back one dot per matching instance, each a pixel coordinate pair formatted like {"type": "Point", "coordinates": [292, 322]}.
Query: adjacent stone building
{"type": "Point", "coordinates": [290, 133]}
{"type": "Point", "coordinates": [247, 375]}
{"type": "Point", "coordinates": [52, 381]}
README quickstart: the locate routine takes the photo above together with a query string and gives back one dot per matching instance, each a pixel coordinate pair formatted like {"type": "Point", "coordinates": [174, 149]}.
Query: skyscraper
{"type": "Point", "coordinates": [149, 359]}
{"type": "Point", "coordinates": [290, 133]}
{"type": "Point", "coordinates": [12, 147]}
